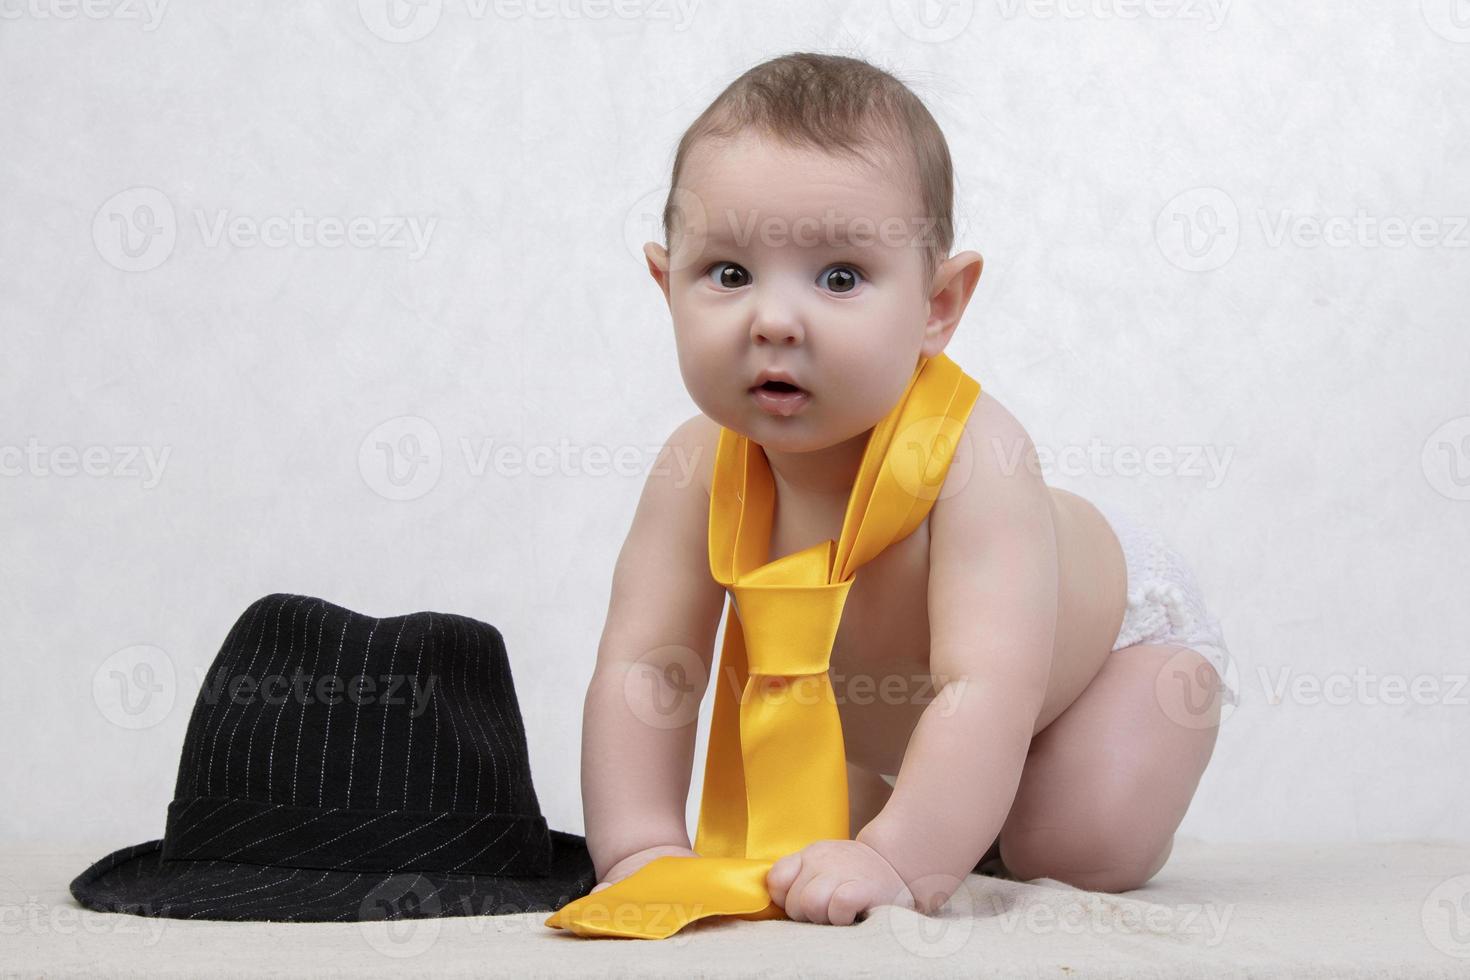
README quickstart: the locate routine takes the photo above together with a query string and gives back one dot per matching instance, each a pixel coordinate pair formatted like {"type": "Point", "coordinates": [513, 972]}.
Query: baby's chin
{"type": "Point", "coordinates": [807, 432]}
{"type": "Point", "coordinates": [784, 437]}
{"type": "Point", "coordinates": [789, 434]}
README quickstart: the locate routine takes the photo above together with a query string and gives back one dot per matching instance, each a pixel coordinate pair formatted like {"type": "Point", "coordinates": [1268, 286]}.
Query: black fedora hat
{"type": "Point", "coordinates": [342, 767]}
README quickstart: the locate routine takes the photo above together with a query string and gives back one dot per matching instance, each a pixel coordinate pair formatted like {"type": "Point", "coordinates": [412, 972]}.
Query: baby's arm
{"type": "Point", "coordinates": [992, 619]}
{"type": "Point", "coordinates": [638, 723]}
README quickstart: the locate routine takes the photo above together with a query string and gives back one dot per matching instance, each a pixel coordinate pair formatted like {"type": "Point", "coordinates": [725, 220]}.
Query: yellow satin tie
{"type": "Point", "coordinates": [775, 777]}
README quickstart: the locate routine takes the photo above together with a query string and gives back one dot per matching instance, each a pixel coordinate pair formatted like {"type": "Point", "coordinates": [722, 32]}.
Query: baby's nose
{"type": "Point", "coordinates": [775, 328]}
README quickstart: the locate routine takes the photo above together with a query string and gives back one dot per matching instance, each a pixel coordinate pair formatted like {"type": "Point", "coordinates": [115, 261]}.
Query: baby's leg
{"type": "Point", "coordinates": [1106, 783]}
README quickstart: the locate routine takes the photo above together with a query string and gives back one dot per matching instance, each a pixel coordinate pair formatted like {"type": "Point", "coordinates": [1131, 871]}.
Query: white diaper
{"type": "Point", "coordinates": [1165, 604]}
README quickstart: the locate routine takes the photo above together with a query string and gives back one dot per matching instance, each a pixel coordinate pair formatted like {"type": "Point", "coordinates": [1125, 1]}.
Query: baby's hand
{"type": "Point", "coordinates": [637, 860]}
{"type": "Point", "coordinates": [834, 882]}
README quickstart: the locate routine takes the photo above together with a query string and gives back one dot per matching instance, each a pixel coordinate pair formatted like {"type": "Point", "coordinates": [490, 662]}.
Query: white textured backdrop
{"type": "Point", "coordinates": [246, 245]}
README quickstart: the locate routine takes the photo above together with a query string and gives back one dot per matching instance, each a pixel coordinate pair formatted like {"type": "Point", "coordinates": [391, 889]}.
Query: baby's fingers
{"type": "Point", "coordinates": [781, 875]}
{"type": "Point", "coordinates": [849, 900]}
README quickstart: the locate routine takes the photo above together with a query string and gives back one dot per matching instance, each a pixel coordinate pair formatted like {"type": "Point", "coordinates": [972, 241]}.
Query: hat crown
{"type": "Point", "coordinates": [353, 728]}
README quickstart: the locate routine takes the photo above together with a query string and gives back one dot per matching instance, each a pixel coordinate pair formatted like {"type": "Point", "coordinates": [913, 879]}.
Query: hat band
{"type": "Point", "coordinates": [342, 839]}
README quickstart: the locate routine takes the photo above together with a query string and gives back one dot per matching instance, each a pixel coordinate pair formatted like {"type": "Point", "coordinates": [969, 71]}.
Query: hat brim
{"type": "Point", "coordinates": [137, 881]}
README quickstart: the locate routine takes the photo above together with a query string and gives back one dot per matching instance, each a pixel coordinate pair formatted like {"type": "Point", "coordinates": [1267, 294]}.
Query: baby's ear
{"type": "Point", "coordinates": [658, 265]}
{"type": "Point", "coordinates": [954, 283]}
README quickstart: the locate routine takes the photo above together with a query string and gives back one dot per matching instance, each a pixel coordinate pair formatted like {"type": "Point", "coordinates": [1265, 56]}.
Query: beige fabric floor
{"type": "Point", "coordinates": [1379, 910]}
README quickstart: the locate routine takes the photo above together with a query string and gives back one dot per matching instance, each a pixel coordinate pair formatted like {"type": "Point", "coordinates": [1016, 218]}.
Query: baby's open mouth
{"type": "Point", "coordinates": [780, 397]}
{"type": "Point", "coordinates": [777, 386]}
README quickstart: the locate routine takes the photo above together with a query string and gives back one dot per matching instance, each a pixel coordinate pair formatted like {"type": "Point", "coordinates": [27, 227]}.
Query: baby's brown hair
{"type": "Point", "coordinates": [843, 106]}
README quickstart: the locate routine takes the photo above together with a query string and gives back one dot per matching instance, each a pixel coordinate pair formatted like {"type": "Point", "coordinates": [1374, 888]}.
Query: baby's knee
{"type": "Point", "coordinates": [1102, 859]}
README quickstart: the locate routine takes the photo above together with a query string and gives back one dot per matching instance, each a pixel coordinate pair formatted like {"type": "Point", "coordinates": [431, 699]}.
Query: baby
{"type": "Point", "coordinates": [1022, 677]}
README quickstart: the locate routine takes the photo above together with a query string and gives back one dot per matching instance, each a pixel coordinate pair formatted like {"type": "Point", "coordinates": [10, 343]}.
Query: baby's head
{"type": "Point", "coordinates": [808, 229]}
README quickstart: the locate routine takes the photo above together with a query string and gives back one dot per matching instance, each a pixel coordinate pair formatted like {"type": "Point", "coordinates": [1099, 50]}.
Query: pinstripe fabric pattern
{"type": "Point", "coordinates": [337, 767]}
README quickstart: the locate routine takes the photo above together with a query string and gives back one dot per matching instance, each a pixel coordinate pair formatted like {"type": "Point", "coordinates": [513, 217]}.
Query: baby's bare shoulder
{"type": "Point", "coordinates": [996, 438]}
{"type": "Point", "coordinates": [995, 476]}
{"type": "Point", "coordinates": [692, 447]}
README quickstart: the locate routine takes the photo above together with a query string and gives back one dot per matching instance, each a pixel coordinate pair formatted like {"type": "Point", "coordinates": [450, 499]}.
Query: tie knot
{"type": "Point", "coordinates": [789, 629]}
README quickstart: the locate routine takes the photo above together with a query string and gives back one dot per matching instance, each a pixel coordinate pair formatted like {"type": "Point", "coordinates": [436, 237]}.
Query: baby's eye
{"type": "Point", "coordinates": [730, 275]}
{"type": "Point", "coordinates": [840, 278]}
